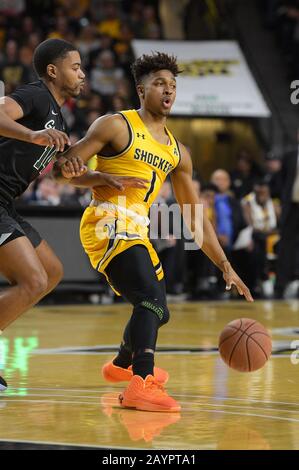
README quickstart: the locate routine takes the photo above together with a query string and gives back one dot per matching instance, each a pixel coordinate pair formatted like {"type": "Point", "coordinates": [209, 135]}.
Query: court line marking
{"type": "Point", "coordinates": [53, 396]}
{"type": "Point", "coordinates": [200, 410]}
{"type": "Point", "coordinates": [280, 418]}
{"type": "Point", "coordinates": [103, 349]}
{"type": "Point", "coordinates": [114, 400]}
{"type": "Point", "coordinates": [207, 353]}
{"type": "Point", "coordinates": [239, 399]}
{"type": "Point", "coordinates": [115, 389]}
{"type": "Point", "coordinates": [242, 406]}
{"type": "Point", "coordinates": [67, 402]}
{"type": "Point", "coordinates": [100, 390]}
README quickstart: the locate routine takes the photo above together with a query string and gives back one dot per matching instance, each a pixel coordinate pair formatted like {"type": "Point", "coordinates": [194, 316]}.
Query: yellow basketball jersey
{"type": "Point", "coordinates": [117, 220]}
{"type": "Point", "coordinates": [144, 157]}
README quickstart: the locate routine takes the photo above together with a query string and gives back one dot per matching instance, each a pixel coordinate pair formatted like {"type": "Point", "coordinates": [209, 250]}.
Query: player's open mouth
{"type": "Point", "coordinates": [166, 103]}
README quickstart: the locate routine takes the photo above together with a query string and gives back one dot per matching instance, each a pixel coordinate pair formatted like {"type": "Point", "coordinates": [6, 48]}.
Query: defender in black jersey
{"type": "Point", "coordinates": [33, 131]}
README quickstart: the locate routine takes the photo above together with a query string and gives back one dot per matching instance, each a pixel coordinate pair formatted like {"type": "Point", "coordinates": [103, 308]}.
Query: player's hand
{"type": "Point", "coordinates": [50, 138]}
{"type": "Point", "coordinates": [232, 278]}
{"type": "Point", "coordinates": [72, 167]}
{"type": "Point", "coordinates": [122, 182]}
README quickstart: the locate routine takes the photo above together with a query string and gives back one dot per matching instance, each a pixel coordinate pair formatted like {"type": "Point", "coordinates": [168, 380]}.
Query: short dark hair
{"type": "Point", "coordinates": [48, 52]}
{"type": "Point", "coordinates": [146, 64]}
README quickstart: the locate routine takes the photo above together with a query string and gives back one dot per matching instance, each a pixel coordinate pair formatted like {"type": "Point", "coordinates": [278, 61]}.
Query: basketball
{"type": "Point", "coordinates": [245, 345]}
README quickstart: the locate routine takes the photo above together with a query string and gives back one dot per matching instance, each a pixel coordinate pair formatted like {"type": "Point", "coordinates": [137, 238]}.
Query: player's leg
{"type": "Point", "coordinates": [124, 357]}
{"type": "Point", "coordinates": [133, 275]}
{"type": "Point", "coordinates": [20, 265]}
{"type": "Point", "coordinates": [51, 264]}
{"type": "Point", "coordinates": [46, 255]}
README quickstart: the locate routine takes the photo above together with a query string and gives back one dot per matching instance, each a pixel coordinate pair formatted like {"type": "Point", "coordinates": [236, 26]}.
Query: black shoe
{"type": "Point", "coordinates": [3, 384]}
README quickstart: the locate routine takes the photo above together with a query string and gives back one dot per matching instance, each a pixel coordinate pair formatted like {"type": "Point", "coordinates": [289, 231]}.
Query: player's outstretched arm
{"type": "Point", "coordinates": [11, 111]}
{"type": "Point", "coordinates": [71, 166]}
{"type": "Point", "coordinates": [204, 234]}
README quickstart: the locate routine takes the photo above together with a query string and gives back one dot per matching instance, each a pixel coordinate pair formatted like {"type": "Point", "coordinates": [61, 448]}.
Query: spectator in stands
{"type": "Point", "coordinates": [151, 27]}
{"type": "Point", "coordinates": [261, 214]}
{"type": "Point", "coordinates": [272, 168]}
{"type": "Point", "coordinates": [34, 39]}
{"type": "Point", "coordinates": [118, 103]}
{"type": "Point", "coordinates": [88, 42]}
{"type": "Point", "coordinates": [229, 216]}
{"type": "Point", "coordinates": [123, 49]}
{"type": "Point", "coordinates": [105, 76]}
{"type": "Point", "coordinates": [74, 197]}
{"type": "Point", "coordinates": [27, 28]}
{"type": "Point", "coordinates": [135, 18]}
{"type": "Point", "coordinates": [110, 23]}
{"type": "Point", "coordinates": [26, 54]}
{"type": "Point", "coordinates": [105, 44]}
{"type": "Point", "coordinates": [62, 30]}
{"type": "Point", "coordinates": [244, 174]}
{"type": "Point", "coordinates": [47, 192]}
{"type": "Point", "coordinates": [12, 71]}
{"type": "Point", "coordinates": [75, 9]}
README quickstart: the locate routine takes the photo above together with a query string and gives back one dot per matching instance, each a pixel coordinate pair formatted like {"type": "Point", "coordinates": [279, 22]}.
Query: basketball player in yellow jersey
{"type": "Point", "coordinates": [114, 227]}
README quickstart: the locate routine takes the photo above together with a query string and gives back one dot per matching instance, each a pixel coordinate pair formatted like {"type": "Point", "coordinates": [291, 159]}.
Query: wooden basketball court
{"type": "Point", "coordinates": [52, 358]}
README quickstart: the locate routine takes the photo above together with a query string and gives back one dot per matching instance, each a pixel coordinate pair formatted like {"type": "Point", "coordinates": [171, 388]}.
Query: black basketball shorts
{"type": "Point", "coordinates": [13, 226]}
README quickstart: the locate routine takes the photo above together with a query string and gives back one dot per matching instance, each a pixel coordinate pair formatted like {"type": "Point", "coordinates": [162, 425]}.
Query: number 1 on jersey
{"type": "Point", "coordinates": [152, 186]}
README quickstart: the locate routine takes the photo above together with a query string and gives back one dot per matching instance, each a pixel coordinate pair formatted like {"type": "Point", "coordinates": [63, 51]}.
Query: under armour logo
{"type": "Point", "coordinates": [120, 398]}
{"type": "Point", "coordinates": [142, 136]}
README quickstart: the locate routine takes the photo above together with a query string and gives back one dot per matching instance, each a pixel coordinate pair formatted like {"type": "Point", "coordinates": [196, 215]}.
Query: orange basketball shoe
{"type": "Point", "coordinates": [147, 395]}
{"type": "Point", "coordinates": [113, 373]}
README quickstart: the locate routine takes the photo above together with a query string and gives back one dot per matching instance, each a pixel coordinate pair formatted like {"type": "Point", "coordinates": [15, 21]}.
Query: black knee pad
{"type": "Point", "coordinates": [160, 310]}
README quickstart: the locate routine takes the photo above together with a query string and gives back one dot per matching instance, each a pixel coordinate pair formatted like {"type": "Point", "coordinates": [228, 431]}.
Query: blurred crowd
{"type": "Point", "coordinates": [102, 30]}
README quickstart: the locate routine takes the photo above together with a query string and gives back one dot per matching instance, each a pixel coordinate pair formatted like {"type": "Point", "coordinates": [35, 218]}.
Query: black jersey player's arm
{"type": "Point", "coordinates": [204, 233]}
{"type": "Point", "coordinates": [106, 130]}
{"type": "Point", "coordinates": [11, 111]}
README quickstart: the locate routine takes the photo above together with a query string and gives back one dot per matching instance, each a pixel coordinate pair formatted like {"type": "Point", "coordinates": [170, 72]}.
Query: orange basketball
{"type": "Point", "coordinates": [245, 345]}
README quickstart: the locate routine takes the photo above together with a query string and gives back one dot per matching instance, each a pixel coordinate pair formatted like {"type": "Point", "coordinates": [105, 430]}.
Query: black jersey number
{"type": "Point", "coordinates": [152, 186]}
